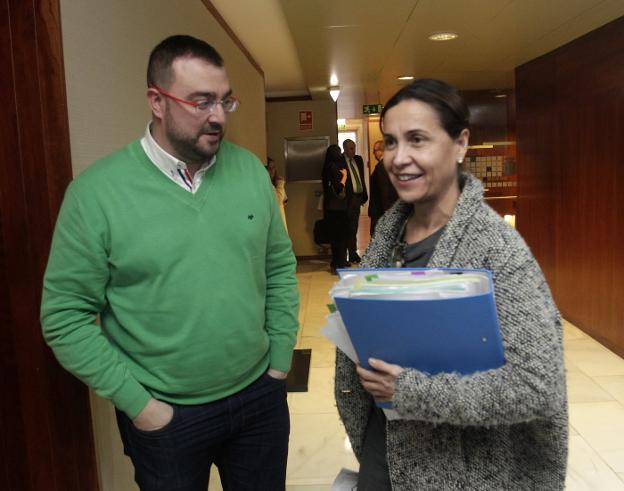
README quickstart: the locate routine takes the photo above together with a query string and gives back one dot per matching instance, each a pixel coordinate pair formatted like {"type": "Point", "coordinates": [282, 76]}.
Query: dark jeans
{"type": "Point", "coordinates": [338, 229]}
{"type": "Point", "coordinates": [245, 435]}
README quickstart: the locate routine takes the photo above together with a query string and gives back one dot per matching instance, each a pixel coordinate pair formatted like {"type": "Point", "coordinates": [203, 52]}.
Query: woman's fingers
{"type": "Point", "coordinates": [382, 366]}
{"type": "Point", "coordinates": [379, 383]}
{"type": "Point", "coordinates": [380, 393]}
{"type": "Point", "coordinates": [368, 374]}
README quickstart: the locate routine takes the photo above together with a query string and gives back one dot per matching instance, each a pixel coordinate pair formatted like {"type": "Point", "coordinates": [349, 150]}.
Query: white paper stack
{"type": "Point", "coordinates": [396, 313]}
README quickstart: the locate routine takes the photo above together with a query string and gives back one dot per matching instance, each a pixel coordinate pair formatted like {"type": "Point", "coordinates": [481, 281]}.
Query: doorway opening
{"type": "Point", "coordinates": [348, 135]}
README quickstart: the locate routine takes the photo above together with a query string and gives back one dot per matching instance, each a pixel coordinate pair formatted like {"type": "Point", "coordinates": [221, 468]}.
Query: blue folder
{"type": "Point", "coordinates": [459, 335]}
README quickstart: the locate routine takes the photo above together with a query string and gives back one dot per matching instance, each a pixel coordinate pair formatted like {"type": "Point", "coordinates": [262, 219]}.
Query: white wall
{"type": "Point", "coordinates": [283, 122]}
{"type": "Point", "coordinates": [106, 47]}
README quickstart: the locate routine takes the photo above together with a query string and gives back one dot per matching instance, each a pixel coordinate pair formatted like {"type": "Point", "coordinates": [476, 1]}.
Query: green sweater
{"type": "Point", "coordinates": [196, 293]}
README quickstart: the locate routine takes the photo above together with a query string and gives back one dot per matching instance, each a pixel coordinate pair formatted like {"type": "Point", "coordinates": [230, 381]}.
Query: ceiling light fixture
{"type": "Point", "coordinates": [334, 92]}
{"type": "Point", "coordinates": [405, 77]}
{"type": "Point", "coordinates": [443, 36]}
{"type": "Point", "coordinates": [342, 26]}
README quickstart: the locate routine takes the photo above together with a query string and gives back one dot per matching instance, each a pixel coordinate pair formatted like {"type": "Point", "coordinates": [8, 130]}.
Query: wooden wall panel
{"type": "Point", "coordinates": [13, 453]}
{"type": "Point", "coordinates": [537, 161]}
{"type": "Point", "coordinates": [570, 126]}
{"type": "Point", "coordinates": [618, 238]}
{"type": "Point", "coordinates": [488, 115]}
{"type": "Point", "coordinates": [505, 206]}
{"type": "Point", "coordinates": [45, 436]}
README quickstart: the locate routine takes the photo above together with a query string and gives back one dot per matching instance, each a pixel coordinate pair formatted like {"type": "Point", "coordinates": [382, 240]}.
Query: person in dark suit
{"type": "Point", "coordinates": [382, 192]}
{"type": "Point", "coordinates": [356, 194]}
{"type": "Point", "coordinates": [335, 205]}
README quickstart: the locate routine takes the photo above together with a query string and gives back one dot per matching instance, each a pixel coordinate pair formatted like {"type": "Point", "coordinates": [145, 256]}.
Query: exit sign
{"type": "Point", "coordinates": [372, 108]}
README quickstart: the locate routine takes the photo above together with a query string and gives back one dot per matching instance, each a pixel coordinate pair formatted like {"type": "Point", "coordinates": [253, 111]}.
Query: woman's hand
{"type": "Point", "coordinates": [343, 176]}
{"type": "Point", "coordinates": [381, 382]}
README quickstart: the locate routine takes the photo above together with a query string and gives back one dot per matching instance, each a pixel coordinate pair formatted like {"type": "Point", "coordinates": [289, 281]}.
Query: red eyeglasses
{"type": "Point", "coordinates": [229, 104]}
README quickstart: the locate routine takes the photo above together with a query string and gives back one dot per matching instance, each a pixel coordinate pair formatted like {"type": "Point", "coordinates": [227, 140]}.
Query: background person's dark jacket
{"type": "Point", "coordinates": [382, 194]}
{"type": "Point", "coordinates": [334, 193]}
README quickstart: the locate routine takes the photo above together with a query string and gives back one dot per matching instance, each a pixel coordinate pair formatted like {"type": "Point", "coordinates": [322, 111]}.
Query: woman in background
{"type": "Point", "coordinates": [334, 177]}
{"type": "Point", "coordinates": [500, 429]}
{"type": "Point", "coordinates": [279, 186]}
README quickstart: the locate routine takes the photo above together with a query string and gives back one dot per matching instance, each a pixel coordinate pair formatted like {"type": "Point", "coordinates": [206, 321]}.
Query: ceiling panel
{"type": "Point", "coordinates": [369, 43]}
{"type": "Point", "coordinates": [587, 21]}
{"type": "Point", "coordinates": [348, 38]}
{"type": "Point", "coordinates": [361, 13]}
{"type": "Point", "coordinates": [263, 30]}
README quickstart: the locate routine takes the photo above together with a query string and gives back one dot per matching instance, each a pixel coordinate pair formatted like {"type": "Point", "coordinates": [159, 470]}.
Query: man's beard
{"type": "Point", "coordinates": [186, 146]}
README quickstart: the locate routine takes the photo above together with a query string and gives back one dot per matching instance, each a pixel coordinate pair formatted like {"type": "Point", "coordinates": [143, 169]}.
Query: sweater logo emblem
{"type": "Point", "coordinates": [250, 217]}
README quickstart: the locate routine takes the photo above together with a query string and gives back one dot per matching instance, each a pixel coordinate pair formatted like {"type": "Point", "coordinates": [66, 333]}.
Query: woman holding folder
{"type": "Point", "coordinates": [499, 429]}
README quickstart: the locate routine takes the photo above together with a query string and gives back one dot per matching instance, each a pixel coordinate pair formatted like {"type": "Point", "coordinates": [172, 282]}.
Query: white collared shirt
{"type": "Point", "coordinates": [173, 168]}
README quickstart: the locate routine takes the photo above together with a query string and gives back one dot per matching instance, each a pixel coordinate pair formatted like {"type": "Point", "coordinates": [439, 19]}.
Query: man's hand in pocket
{"type": "Point", "coordinates": [154, 416]}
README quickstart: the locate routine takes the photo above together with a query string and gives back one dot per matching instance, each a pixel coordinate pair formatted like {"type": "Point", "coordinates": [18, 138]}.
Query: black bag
{"type": "Point", "coordinates": [322, 233]}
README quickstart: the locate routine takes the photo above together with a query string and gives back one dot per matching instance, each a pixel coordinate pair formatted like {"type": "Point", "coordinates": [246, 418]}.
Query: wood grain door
{"type": "Point", "coordinates": [46, 440]}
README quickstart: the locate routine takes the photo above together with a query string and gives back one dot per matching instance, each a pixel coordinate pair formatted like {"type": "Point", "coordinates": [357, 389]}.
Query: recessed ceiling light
{"type": "Point", "coordinates": [500, 96]}
{"type": "Point", "coordinates": [405, 77]}
{"type": "Point", "coordinates": [443, 36]}
{"type": "Point", "coordinates": [342, 26]}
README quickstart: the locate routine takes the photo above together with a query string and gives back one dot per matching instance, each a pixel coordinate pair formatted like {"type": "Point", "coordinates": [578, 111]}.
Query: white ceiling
{"type": "Point", "coordinates": [367, 44]}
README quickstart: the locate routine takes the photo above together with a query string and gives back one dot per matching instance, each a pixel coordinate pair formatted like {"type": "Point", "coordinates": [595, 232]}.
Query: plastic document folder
{"type": "Point", "coordinates": [441, 320]}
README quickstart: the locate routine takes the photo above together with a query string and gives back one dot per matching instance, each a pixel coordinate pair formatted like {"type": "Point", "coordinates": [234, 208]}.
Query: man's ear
{"type": "Point", "coordinates": [156, 102]}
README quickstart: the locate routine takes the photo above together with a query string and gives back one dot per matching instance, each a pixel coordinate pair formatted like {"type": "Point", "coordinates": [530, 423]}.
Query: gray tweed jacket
{"type": "Point", "coordinates": [502, 429]}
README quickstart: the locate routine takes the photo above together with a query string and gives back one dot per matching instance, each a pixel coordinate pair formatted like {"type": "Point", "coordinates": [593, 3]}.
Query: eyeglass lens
{"type": "Point", "coordinates": [229, 105]}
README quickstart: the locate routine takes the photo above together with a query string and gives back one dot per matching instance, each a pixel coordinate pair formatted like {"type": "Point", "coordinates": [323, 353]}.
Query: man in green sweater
{"type": "Point", "coordinates": [177, 243]}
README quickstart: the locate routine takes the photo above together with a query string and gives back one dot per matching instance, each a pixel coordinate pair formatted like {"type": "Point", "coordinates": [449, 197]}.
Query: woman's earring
{"type": "Point", "coordinates": [460, 160]}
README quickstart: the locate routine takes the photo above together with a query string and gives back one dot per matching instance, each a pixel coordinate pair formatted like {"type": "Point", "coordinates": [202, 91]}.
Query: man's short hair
{"type": "Point", "coordinates": [345, 142]}
{"type": "Point", "coordinates": [180, 46]}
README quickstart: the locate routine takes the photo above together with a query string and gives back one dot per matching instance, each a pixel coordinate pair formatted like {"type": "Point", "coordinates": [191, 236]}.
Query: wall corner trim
{"type": "Point", "coordinates": [219, 18]}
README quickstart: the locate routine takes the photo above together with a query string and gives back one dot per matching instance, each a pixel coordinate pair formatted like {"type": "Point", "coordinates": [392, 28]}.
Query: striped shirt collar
{"type": "Point", "coordinates": [172, 167]}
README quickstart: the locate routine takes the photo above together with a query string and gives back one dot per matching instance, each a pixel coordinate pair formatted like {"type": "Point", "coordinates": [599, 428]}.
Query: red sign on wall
{"type": "Point", "coordinates": [305, 120]}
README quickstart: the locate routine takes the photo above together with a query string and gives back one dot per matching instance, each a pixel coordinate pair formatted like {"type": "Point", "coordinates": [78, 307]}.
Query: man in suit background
{"type": "Point", "coordinates": [382, 194]}
{"type": "Point", "coordinates": [356, 196]}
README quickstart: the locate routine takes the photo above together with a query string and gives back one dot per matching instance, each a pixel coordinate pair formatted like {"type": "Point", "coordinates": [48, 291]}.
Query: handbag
{"type": "Point", "coordinates": [321, 232]}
